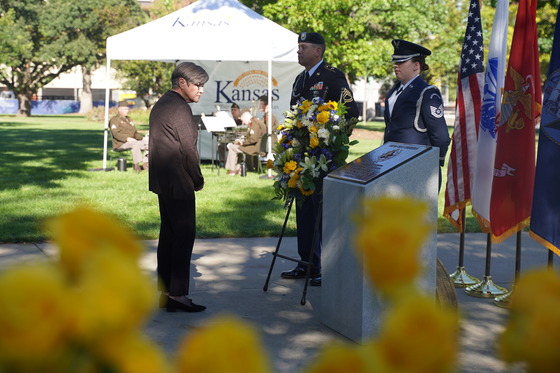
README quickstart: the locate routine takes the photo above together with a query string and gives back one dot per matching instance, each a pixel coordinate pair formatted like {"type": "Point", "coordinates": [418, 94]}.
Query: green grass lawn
{"type": "Point", "coordinates": [44, 167]}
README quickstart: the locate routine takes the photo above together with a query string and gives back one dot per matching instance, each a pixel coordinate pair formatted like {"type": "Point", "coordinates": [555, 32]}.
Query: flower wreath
{"type": "Point", "coordinates": [314, 140]}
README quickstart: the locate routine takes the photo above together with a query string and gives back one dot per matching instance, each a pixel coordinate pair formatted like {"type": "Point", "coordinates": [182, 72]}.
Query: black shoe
{"type": "Point", "coordinates": [298, 273]}
{"type": "Point", "coordinates": [294, 273]}
{"type": "Point", "coordinates": [315, 281]}
{"type": "Point", "coordinates": [174, 305]}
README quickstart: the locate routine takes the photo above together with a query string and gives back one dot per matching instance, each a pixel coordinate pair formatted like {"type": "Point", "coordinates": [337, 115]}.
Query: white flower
{"type": "Point", "coordinates": [295, 143]}
{"type": "Point", "coordinates": [322, 164]}
{"type": "Point", "coordinates": [335, 127]}
{"type": "Point", "coordinates": [311, 110]}
{"type": "Point", "coordinates": [310, 165]}
{"type": "Point", "coordinates": [324, 134]}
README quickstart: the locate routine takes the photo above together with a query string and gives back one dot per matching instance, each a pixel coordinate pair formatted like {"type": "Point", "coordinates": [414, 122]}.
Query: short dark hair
{"type": "Point", "coordinates": [189, 71]}
{"type": "Point", "coordinates": [264, 98]}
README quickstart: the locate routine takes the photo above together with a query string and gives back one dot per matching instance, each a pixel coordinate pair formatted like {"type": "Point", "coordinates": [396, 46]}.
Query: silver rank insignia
{"type": "Point", "coordinates": [437, 112]}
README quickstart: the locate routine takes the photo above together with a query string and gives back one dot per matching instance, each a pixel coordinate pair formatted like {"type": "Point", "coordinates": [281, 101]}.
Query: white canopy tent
{"type": "Point", "coordinates": [207, 30]}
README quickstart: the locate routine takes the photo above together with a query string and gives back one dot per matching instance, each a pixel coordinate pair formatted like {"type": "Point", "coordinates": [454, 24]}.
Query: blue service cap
{"type": "Point", "coordinates": [405, 50]}
{"type": "Point", "coordinates": [311, 37]}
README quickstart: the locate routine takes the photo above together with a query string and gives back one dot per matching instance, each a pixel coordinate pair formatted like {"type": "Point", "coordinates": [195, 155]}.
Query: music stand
{"type": "Point", "coordinates": [215, 124]}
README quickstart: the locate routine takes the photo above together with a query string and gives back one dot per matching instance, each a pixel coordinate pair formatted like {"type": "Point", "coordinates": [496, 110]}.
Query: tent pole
{"type": "Point", "coordinates": [106, 130]}
{"type": "Point", "coordinates": [269, 138]}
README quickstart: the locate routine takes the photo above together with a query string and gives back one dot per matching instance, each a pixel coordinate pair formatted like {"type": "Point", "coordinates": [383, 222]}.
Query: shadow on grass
{"type": "Point", "coordinates": [32, 156]}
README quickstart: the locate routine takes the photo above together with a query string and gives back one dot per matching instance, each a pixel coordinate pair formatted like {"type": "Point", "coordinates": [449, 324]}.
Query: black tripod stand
{"type": "Point", "coordinates": [308, 263]}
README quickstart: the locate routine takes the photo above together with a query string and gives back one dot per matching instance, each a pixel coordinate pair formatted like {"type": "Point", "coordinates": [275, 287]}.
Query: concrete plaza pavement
{"type": "Point", "coordinates": [229, 275]}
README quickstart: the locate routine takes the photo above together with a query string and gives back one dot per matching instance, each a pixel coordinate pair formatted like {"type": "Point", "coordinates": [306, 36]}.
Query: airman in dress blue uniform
{"type": "Point", "coordinates": [414, 109]}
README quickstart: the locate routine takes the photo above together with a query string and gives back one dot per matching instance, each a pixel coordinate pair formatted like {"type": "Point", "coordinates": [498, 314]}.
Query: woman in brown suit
{"type": "Point", "coordinates": [174, 176]}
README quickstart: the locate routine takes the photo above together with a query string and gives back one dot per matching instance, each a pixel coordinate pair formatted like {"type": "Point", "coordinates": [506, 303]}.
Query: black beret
{"type": "Point", "coordinates": [405, 50]}
{"type": "Point", "coordinates": [311, 37]}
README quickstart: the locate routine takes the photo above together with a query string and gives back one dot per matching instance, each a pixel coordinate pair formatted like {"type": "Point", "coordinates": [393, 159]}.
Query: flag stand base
{"type": "Point", "coordinates": [461, 279]}
{"type": "Point", "coordinates": [504, 301]}
{"type": "Point", "coordinates": [485, 289]}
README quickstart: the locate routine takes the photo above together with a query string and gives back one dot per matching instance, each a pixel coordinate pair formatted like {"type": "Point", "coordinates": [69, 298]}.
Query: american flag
{"type": "Point", "coordinates": [470, 83]}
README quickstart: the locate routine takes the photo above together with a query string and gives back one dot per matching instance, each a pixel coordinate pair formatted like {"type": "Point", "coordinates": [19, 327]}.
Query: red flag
{"type": "Point", "coordinates": [467, 116]}
{"type": "Point", "coordinates": [514, 165]}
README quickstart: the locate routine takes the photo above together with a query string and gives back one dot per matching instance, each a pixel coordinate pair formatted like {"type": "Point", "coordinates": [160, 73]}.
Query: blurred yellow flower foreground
{"type": "Point", "coordinates": [532, 334]}
{"type": "Point", "coordinates": [85, 311]}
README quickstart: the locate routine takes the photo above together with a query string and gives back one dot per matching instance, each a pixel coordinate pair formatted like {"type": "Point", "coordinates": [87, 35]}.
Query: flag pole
{"type": "Point", "coordinates": [504, 301]}
{"type": "Point", "coordinates": [460, 278]}
{"type": "Point", "coordinates": [486, 288]}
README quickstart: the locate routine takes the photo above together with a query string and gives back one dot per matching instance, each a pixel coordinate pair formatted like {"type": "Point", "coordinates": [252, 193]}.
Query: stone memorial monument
{"type": "Point", "coordinates": [349, 302]}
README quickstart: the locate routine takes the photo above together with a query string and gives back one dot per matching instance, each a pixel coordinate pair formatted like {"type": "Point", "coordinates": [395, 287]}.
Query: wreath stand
{"type": "Point", "coordinates": [308, 263]}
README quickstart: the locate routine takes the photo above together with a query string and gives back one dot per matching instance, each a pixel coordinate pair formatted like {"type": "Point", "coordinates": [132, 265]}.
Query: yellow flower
{"type": "Point", "coordinates": [83, 231]}
{"type": "Point", "coordinates": [337, 357]}
{"type": "Point", "coordinates": [270, 163]}
{"type": "Point", "coordinates": [112, 295]}
{"type": "Point", "coordinates": [418, 336]}
{"type": "Point", "coordinates": [323, 117]}
{"type": "Point", "coordinates": [390, 235]}
{"type": "Point", "coordinates": [306, 192]}
{"type": "Point", "coordinates": [313, 142]}
{"type": "Point", "coordinates": [323, 107]}
{"type": "Point", "coordinates": [305, 105]}
{"type": "Point", "coordinates": [313, 129]}
{"type": "Point", "coordinates": [299, 124]}
{"type": "Point", "coordinates": [333, 105]}
{"type": "Point", "coordinates": [280, 128]}
{"type": "Point", "coordinates": [290, 166]}
{"type": "Point", "coordinates": [226, 345]}
{"type": "Point", "coordinates": [292, 183]}
{"type": "Point", "coordinates": [34, 313]}
{"type": "Point", "coordinates": [131, 353]}
{"type": "Point", "coordinates": [532, 334]}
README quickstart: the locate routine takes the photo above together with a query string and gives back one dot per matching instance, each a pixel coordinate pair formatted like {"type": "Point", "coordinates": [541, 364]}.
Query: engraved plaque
{"type": "Point", "coordinates": [379, 161]}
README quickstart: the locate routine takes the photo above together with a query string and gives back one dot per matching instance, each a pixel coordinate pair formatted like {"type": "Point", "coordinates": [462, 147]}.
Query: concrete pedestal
{"type": "Point", "coordinates": [350, 304]}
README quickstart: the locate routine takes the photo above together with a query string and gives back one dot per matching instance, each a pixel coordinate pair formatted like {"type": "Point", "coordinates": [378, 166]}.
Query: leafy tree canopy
{"type": "Point", "coordinates": [359, 34]}
{"type": "Point", "coordinates": [39, 40]}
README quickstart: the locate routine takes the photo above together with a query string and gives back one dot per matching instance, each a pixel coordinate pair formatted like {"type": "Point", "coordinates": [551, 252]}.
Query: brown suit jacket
{"type": "Point", "coordinates": [174, 166]}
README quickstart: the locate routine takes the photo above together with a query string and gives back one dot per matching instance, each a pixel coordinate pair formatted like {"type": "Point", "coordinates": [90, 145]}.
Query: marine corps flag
{"type": "Point", "coordinates": [514, 165]}
{"type": "Point", "coordinates": [545, 215]}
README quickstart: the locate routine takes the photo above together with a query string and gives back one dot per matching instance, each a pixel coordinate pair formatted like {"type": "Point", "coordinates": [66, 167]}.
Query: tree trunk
{"type": "Point", "coordinates": [24, 99]}
{"type": "Point", "coordinates": [147, 101]}
{"type": "Point", "coordinates": [86, 96]}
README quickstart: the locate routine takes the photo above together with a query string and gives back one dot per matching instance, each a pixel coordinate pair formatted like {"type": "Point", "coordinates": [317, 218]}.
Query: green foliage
{"type": "Point", "coordinates": [359, 34]}
{"type": "Point", "coordinates": [150, 79]}
{"type": "Point", "coordinates": [546, 22]}
{"type": "Point", "coordinates": [39, 40]}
